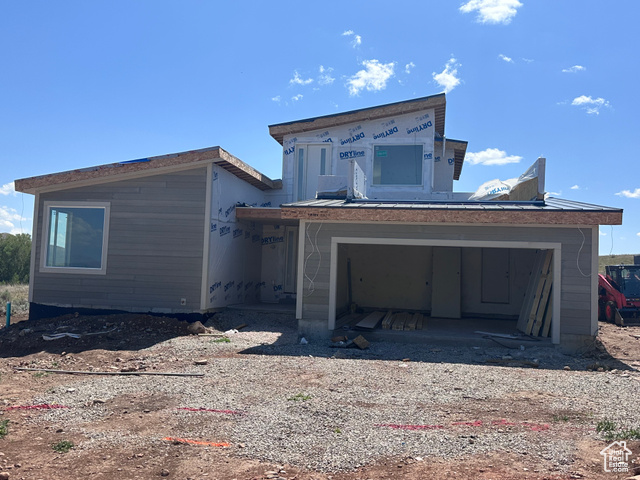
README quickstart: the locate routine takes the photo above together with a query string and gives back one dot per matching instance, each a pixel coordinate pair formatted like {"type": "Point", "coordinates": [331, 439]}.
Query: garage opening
{"type": "Point", "coordinates": [442, 290]}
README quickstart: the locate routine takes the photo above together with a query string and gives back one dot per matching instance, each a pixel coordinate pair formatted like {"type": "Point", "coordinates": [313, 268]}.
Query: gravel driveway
{"type": "Point", "coordinates": [334, 409]}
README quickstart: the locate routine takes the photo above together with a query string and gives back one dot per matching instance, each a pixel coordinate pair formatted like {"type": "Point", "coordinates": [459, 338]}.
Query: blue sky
{"type": "Point", "coordinates": [86, 83]}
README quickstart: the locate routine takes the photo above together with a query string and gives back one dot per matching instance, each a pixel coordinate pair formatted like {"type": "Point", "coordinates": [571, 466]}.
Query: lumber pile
{"type": "Point", "coordinates": [403, 321]}
{"type": "Point", "coordinates": [391, 321]}
{"type": "Point", "coordinates": [537, 307]}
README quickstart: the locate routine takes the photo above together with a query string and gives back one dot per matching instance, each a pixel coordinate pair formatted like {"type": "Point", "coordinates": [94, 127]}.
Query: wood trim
{"type": "Point", "coordinates": [595, 247]}
{"type": "Point", "coordinates": [206, 241]}
{"type": "Point", "coordinates": [259, 213]}
{"type": "Point", "coordinates": [415, 215]}
{"type": "Point", "coordinates": [302, 232]}
{"type": "Point", "coordinates": [34, 239]}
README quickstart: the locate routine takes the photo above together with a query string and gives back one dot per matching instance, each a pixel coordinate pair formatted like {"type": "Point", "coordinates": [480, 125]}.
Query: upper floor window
{"type": "Point", "coordinates": [75, 237]}
{"type": "Point", "coordinates": [397, 164]}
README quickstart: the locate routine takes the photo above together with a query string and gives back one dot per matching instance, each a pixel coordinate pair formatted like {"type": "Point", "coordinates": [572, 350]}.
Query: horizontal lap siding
{"type": "Point", "coordinates": [576, 282]}
{"type": "Point", "coordinates": [155, 246]}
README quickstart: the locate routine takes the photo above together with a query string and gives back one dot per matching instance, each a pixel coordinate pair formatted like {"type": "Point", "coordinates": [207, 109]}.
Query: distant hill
{"type": "Point", "coordinates": [614, 260]}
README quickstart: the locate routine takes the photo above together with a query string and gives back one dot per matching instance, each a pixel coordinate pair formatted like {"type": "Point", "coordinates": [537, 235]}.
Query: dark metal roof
{"type": "Point", "coordinates": [550, 204]}
{"type": "Point", "coordinates": [437, 102]}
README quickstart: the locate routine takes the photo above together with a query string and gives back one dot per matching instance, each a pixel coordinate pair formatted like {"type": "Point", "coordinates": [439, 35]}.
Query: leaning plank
{"type": "Point", "coordinates": [370, 321]}
{"type": "Point", "coordinates": [543, 304]}
{"type": "Point", "coordinates": [548, 315]}
{"type": "Point", "coordinates": [421, 322]}
{"type": "Point", "coordinates": [77, 372]}
{"type": "Point", "coordinates": [539, 290]}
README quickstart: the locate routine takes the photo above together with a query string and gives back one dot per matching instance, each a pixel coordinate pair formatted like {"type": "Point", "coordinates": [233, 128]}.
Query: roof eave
{"type": "Point", "coordinates": [436, 102]}
{"type": "Point", "coordinates": [147, 166]}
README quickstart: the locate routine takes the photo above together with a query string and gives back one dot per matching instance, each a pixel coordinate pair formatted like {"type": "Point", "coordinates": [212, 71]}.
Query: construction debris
{"type": "Point", "coordinates": [361, 342]}
{"type": "Point", "coordinates": [178, 440]}
{"type": "Point", "coordinates": [77, 372]}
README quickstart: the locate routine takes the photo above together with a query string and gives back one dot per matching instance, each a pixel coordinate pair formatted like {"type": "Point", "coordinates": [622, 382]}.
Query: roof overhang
{"type": "Point", "coordinates": [459, 151]}
{"type": "Point", "coordinates": [519, 213]}
{"type": "Point", "coordinates": [147, 166]}
{"type": "Point", "coordinates": [437, 102]}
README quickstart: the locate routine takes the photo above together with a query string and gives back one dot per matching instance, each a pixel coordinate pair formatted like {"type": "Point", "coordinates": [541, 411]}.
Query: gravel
{"type": "Point", "coordinates": [326, 409]}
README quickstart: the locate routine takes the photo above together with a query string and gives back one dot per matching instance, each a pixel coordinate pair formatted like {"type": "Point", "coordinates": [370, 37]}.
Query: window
{"type": "Point", "coordinates": [75, 237]}
{"type": "Point", "coordinates": [397, 165]}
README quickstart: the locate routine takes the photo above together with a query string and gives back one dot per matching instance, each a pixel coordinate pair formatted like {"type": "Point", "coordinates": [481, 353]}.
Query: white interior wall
{"type": "Point", "coordinates": [400, 277]}
{"type": "Point", "coordinates": [355, 141]}
{"type": "Point", "coordinates": [234, 247]}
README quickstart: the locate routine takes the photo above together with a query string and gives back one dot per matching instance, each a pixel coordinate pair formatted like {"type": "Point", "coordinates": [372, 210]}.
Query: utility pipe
{"type": "Point", "coordinates": [8, 313]}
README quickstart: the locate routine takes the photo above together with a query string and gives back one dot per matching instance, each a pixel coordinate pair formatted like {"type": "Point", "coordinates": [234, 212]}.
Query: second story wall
{"type": "Point", "coordinates": [396, 153]}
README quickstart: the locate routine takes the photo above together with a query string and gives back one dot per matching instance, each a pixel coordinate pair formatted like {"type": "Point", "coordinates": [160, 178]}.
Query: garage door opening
{"type": "Point", "coordinates": [439, 290]}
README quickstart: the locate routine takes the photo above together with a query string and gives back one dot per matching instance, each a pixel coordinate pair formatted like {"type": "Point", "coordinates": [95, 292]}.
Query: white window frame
{"type": "Point", "coordinates": [398, 185]}
{"type": "Point", "coordinates": [46, 215]}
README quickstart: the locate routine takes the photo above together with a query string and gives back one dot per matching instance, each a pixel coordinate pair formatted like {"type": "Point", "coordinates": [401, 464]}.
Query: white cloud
{"type": "Point", "coordinates": [448, 77]}
{"type": "Point", "coordinates": [297, 97]}
{"type": "Point", "coordinates": [590, 105]}
{"type": "Point", "coordinates": [527, 60]}
{"type": "Point", "coordinates": [491, 156]}
{"type": "Point", "coordinates": [373, 78]}
{"type": "Point", "coordinates": [638, 234]}
{"type": "Point", "coordinates": [276, 98]}
{"type": "Point", "coordinates": [9, 217]}
{"type": "Point", "coordinates": [574, 69]}
{"type": "Point", "coordinates": [505, 58]}
{"type": "Point", "coordinates": [8, 189]}
{"type": "Point", "coordinates": [408, 67]}
{"type": "Point", "coordinates": [602, 233]}
{"type": "Point", "coordinates": [552, 194]}
{"type": "Point", "coordinates": [325, 77]}
{"type": "Point", "coordinates": [575, 187]}
{"type": "Point", "coordinates": [492, 11]}
{"type": "Point", "coordinates": [357, 39]}
{"type": "Point", "coordinates": [629, 193]}
{"type": "Point", "coordinates": [298, 80]}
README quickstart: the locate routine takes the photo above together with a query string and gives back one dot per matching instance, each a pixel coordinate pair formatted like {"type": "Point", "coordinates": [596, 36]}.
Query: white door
{"type": "Point", "coordinates": [311, 161]}
{"type": "Point", "coordinates": [445, 283]}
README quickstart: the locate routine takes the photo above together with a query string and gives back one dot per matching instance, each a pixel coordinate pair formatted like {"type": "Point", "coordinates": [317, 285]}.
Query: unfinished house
{"type": "Point", "coordinates": [363, 230]}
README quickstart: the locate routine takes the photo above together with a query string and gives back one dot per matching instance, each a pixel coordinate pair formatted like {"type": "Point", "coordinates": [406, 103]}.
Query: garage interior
{"type": "Point", "coordinates": [455, 290]}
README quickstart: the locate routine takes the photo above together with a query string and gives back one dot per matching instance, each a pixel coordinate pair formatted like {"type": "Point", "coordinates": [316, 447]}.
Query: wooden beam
{"type": "Point", "coordinates": [407, 214]}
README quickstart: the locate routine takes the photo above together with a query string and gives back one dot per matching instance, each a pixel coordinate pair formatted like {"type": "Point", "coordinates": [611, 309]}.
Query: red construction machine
{"type": "Point", "coordinates": [619, 294]}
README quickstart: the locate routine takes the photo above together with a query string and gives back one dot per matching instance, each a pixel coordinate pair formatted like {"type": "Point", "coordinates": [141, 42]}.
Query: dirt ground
{"type": "Point", "coordinates": [26, 450]}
